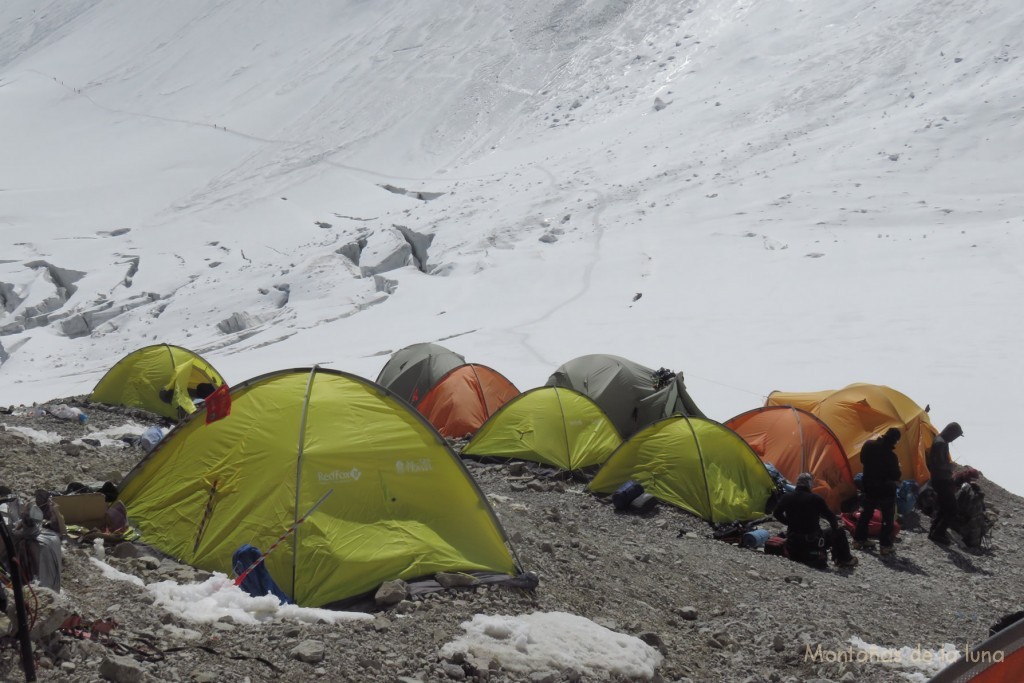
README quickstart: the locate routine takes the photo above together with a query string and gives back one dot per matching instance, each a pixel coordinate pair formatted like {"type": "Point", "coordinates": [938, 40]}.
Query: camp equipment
{"type": "Point", "coordinates": [404, 505]}
{"type": "Point", "coordinates": [694, 463]}
{"type": "Point", "coordinates": [549, 425]}
{"type": "Point", "coordinates": [795, 441]}
{"type": "Point", "coordinates": [464, 398]}
{"type": "Point", "coordinates": [1000, 659]}
{"type": "Point", "coordinates": [633, 396]}
{"type": "Point", "coordinates": [162, 379]}
{"type": "Point", "coordinates": [412, 371]}
{"type": "Point", "coordinates": [861, 412]}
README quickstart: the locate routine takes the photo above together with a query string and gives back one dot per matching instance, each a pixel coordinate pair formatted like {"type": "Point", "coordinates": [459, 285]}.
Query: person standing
{"type": "Point", "coordinates": [881, 479]}
{"type": "Point", "coordinates": [940, 466]}
{"type": "Point", "coordinates": [800, 511]}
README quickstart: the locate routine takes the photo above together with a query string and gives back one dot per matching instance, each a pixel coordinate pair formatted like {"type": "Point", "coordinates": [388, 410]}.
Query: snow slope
{"type": "Point", "coordinates": [804, 194]}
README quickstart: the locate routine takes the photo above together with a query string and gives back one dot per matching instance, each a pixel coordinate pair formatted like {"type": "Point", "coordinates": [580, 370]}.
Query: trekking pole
{"type": "Point", "coordinates": [27, 663]}
{"type": "Point", "coordinates": [281, 538]}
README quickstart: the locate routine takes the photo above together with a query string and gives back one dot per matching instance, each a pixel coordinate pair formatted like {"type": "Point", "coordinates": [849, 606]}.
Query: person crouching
{"type": "Point", "coordinates": [801, 511]}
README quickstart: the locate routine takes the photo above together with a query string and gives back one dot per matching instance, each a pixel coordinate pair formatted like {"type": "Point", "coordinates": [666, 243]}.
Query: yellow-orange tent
{"type": "Point", "coordinates": [861, 412]}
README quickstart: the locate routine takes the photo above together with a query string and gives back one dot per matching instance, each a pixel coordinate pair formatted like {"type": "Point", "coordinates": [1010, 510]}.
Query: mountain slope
{"type": "Point", "coordinates": [805, 195]}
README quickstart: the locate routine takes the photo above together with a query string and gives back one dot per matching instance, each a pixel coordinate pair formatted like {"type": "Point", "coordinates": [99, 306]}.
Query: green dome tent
{"type": "Point", "coordinates": [633, 396]}
{"type": "Point", "coordinates": [411, 372]}
{"type": "Point", "coordinates": [693, 463]}
{"type": "Point", "coordinates": [161, 378]}
{"type": "Point", "coordinates": [550, 425]}
{"type": "Point", "coordinates": [399, 503]}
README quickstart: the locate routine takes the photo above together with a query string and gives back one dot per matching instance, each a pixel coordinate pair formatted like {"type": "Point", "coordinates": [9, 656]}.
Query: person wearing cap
{"type": "Point", "coordinates": [801, 511]}
{"type": "Point", "coordinates": [881, 480]}
{"type": "Point", "coordinates": [940, 466]}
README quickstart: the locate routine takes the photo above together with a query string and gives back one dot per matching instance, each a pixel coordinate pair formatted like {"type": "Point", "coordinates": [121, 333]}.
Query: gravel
{"type": "Point", "coordinates": [717, 612]}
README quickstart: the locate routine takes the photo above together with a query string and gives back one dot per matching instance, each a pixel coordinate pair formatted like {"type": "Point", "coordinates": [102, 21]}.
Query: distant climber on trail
{"type": "Point", "coordinates": [881, 479]}
{"type": "Point", "coordinates": [801, 511]}
{"type": "Point", "coordinates": [940, 466]}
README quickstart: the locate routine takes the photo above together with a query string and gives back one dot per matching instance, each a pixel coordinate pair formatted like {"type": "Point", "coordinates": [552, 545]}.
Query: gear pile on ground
{"type": "Point", "coordinates": [715, 611]}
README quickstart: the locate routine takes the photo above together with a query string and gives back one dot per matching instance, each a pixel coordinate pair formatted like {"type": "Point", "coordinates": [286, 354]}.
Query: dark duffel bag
{"type": "Point", "coordinates": [626, 494]}
{"type": "Point", "coordinates": [645, 502]}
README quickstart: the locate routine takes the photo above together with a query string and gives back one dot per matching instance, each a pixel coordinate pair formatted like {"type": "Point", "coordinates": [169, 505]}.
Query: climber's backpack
{"type": "Point", "coordinates": [974, 523]}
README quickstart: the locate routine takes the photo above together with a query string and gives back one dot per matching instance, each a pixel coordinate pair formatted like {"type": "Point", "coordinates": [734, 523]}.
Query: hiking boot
{"type": "Point", "coordinates": [887, 550]}
{"type": "Point", "coordinates": [849, 562]}
{"type": "Point", "coordinates": [863, 545]}
{"type": "Point", "coordinates": [941, 539]}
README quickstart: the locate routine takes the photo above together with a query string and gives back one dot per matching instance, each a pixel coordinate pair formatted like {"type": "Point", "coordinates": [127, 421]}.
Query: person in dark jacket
{"type": "Point", "coordinates": [881, 480]}
{"type": "Point", "coordinates": [801, 511]}
{"type": "Point", "coordinates": [940, 466]}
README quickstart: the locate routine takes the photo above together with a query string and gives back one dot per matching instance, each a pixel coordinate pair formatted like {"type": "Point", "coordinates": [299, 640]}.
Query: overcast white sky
{"type": "Point", "coordinates": [805, 194]}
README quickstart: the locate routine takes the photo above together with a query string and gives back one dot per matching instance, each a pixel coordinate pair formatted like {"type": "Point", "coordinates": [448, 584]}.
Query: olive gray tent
{"type": "Point", "coordinates": [411, 372]}
{"type": "Point", "coordinates": [632, 395]}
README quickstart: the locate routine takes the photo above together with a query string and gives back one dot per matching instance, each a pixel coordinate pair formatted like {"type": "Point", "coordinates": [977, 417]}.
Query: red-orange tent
{"type": "Point", "coordinates": [795, 441]}
{"type": "Point", "coordinates": [461, 401]}
{"type": "Point", "coordinates": [1000, 659]}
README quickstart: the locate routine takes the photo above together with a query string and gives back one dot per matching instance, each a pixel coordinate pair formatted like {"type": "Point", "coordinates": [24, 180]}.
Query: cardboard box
{"type": "Point", "coordinates": [84, 509]}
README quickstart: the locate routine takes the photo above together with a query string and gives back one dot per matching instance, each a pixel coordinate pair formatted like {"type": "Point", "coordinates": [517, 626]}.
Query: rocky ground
{"type": "Point", "coordinates": [716, 611]}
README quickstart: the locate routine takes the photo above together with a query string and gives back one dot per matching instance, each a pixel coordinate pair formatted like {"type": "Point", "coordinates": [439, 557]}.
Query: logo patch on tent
{"type": "Point", "coordinates": [339, 476]}
{"type": "Point", "coordinates": [218, 404]}
{"type": "Point", "coordinates": [413, 466]}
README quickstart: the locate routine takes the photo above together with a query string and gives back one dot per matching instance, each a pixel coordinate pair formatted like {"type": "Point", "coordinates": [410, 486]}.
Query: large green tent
{"type": "Point", "coordinates": [399, 503]}
{"type": "Point", "coordinates": [411, 372]}
{"type": "Point", "coordinates": [161, 378]}
{"type": "Point", "coordinates": [693, 463]}
{"type": "Point", "coordinates": [550, 425]}
{"type": "Point", "coordinates": [633, 396]}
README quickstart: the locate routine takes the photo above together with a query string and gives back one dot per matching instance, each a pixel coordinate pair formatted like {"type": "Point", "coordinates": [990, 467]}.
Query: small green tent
{"type": "Point", "coordinates": [399, 503]}
{"type": "Point", "coordinates": [161, 378]}
{"type": "Point", "coordinates": [693, 463]}
{"type": "Point", "coordinates": [633, 396]}
{"type": "Point", "coordinates": [550, 425]}
{"type": "Point", "coordinates": [411, 372]}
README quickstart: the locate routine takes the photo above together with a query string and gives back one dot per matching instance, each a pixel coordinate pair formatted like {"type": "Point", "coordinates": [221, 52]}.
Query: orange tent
{"type": "Point", "coordinates": [795, 441]}
{"type": "Point", "coordinates": [1000, 659]}
{"type": "Point", "coordinates": [462, 400]}
{"type": "Point", "coordinates": [861, 412]}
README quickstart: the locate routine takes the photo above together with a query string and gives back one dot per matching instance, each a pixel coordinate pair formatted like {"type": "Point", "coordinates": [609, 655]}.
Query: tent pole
{"type": "Point", "coordinates": [298, 475]}
{"type": "Point", "coordinates": [703, 470]}
{"type": "Point", "coordinates": [565, 432]}
{"type": "Point", "coordinates": [803, 450]}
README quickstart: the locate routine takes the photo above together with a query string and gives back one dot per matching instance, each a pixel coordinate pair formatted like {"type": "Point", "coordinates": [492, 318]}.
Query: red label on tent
{"type": "Point", "coordinates": [218, 404]}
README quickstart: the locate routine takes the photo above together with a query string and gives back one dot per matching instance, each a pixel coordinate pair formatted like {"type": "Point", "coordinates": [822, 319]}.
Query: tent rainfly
{"type": "Point", "coordinates": [410, 372]}
{"type": "Point", "coordinates": [549, 425]}
{"type": "Point", "coordinates": [395, 502]}
{"type": "Point", "coordinates": [860, 412]}
{"type": "Point", "coordinates": [461, 401]}
{"type": "Point", "coordinates": [633, 396]}
{"type": "Point", "coordinates": [693, 463]}
{"type": "Point", "coordinates": [161, 378]}
{"type": "Point", "coordinates": [796, 441]}
{"type": "Point", "coordinates": [1000, 659]}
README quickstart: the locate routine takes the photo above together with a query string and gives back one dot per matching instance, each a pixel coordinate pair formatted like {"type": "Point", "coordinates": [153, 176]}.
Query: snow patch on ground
{"type": "Point", "coordinates": [553, 641]}
{"type": "Point", "coordinates": [219, 597]}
